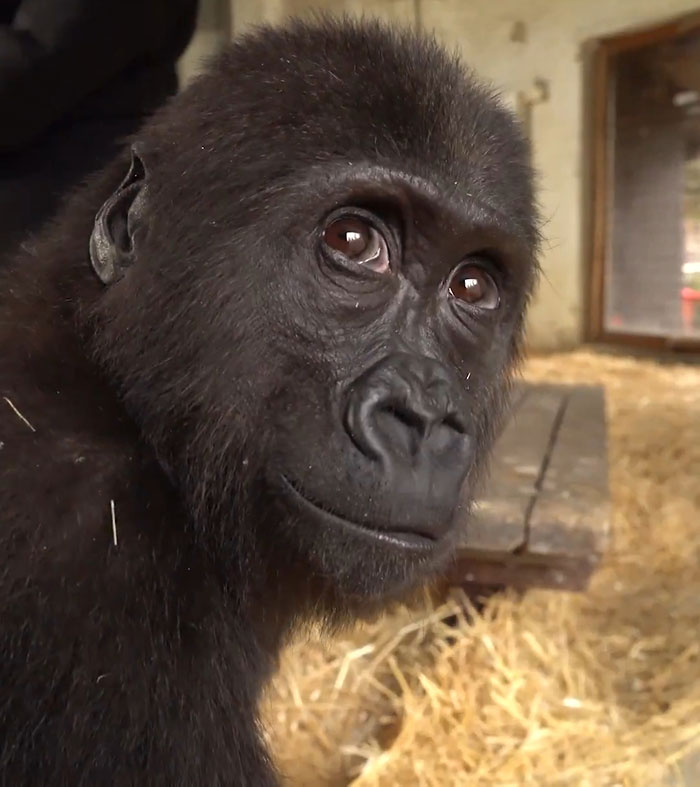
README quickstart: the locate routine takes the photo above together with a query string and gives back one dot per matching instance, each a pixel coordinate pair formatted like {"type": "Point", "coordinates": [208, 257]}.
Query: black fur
{"type": "Point", "coordinates": [160, 407]}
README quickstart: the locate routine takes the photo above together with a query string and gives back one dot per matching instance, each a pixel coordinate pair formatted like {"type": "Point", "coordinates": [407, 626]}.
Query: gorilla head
{"type": "Point", "coordinates": [273, 339]}
{"type": "Point", "coordinates": [316, 269]}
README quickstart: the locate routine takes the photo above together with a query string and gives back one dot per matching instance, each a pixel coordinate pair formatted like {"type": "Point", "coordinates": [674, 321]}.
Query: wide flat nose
{"type": "Point", "coordinates": [403, 414]}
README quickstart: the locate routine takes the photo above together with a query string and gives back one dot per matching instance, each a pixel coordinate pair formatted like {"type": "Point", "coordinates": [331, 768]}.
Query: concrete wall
{"type": "Point", "coordinates": [532, 49]}
{"type": "Point", "coordinates": [247, 12]}
{"type": "Point", "coordinates": [213, 31]}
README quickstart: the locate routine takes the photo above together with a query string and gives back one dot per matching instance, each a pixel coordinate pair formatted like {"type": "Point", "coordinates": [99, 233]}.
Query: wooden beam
{"type": "Point", "coordinates": [571, 514]}
{"type": "Point", "coordinates": [543, 518]}
{"type": "Point", "coordinates": [498, 521]}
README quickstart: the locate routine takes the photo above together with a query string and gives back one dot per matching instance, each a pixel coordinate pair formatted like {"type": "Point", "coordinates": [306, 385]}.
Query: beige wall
{"type": "Point", "coordinates": [247, 12]}
{"type": "Point", "coordinates": [213, 31]}
{"type": "Point", "coordinates": [549, 35]}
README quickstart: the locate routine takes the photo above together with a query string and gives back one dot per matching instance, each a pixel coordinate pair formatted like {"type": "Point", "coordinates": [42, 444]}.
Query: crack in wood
{"type": "Point", "coordinates": [539, 480]}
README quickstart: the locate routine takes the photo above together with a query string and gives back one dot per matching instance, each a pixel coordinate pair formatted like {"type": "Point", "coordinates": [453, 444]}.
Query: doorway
{"type": "Point", "coordinates": [645, 283]}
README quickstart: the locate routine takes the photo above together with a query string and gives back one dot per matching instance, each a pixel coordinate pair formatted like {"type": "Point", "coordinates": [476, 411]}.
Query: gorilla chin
{"type": "Point", "coordinates": [355, 569]}
{"type": "Point", "coordinates": [360, 558]}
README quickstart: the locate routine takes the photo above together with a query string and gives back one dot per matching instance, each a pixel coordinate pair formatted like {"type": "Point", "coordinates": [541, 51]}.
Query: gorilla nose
{"type": "Point", "coordinates": [403, 414]}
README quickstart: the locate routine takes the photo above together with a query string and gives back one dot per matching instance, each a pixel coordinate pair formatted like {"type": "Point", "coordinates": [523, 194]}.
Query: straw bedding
{"type": "Point", "coordinates": [601, 688]}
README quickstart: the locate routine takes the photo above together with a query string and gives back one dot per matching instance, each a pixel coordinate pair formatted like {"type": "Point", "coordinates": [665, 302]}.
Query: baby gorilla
{"type": "Point", "coordinates": [244, 376]}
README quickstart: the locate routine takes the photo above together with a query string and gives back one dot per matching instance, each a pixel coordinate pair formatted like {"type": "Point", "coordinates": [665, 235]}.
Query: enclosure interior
{"type": "Point", "coordinates": [652, 260]}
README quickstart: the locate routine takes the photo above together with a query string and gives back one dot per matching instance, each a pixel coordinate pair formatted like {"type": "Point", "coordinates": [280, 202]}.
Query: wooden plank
{"type": "Point", "coordinates": [544, 516]}
{"type": "Point", "coordinates": [499, 519]}
{"type": "Point", "coordinates": [643, 35]}
{"type": "Point", "coordinates": [518, 571]}
{"type": "Point", "coordinates": [571, 515]}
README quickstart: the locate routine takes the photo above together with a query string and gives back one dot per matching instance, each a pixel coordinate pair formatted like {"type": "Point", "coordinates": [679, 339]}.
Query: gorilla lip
{"type": "Point", "coordinates": [399, 539]}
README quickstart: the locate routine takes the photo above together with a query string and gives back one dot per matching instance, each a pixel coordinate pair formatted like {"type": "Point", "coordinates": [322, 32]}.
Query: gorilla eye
{"type": "Point", "coordinates": [359, 242]}
{"type": "Point", "coordinates": [473, 285]}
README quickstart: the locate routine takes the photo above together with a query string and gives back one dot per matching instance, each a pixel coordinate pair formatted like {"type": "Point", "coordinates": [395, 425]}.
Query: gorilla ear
{"type": "Point", "coordinates": [112, 239]}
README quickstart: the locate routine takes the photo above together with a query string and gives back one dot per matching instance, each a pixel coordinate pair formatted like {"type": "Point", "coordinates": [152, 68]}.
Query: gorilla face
{"type": "Point", "coordinates": [404, 305]}
{"type": "Point", "coordinates": [312, 305]}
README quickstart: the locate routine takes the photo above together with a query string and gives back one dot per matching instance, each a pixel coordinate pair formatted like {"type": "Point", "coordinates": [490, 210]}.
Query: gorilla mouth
{"type": "Point", "coordinates": [390, 536]}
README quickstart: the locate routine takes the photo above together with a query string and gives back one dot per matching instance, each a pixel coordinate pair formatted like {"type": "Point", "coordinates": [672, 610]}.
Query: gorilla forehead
{"type": "Point", "coordinates": [348, 92]}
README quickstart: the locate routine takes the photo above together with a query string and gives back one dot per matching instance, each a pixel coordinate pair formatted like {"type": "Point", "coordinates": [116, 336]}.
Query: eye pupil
{"type": "Point", "coordinates": [359, 242]}
{"type": "Point", "coordinates": [348, 236]}
{"type": "Point", "coordinates": [473, 285]}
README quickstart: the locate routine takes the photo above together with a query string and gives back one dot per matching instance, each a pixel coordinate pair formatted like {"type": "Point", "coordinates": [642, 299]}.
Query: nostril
{"type": "Point", "coordinates": [455, 422]}
{"type": "Point", "coordinates": [404, 415]}
{"type": "Point", "coordinates": [399, 429]}
{"type": "Point", "coordinates": [402, 408]}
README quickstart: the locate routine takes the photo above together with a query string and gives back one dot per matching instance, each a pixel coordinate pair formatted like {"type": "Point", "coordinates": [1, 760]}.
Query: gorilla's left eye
{"type": "Point", "coordinates": [358, 241]}
{"type": "Point", "coordinates": [473, 285]}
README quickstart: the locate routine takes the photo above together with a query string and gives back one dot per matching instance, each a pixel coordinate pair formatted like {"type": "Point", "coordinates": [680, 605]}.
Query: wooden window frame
{"type": "Point", "coordinates": [602, 52]}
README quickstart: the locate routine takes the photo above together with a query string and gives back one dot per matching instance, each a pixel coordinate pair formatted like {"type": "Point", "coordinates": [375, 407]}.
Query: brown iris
{"type": "Point", "coordinates": [472, 284]}
{"type": "Point", "coordinates": [358, 241]}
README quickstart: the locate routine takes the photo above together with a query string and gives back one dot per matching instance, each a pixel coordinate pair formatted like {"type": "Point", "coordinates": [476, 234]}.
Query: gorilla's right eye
{"type": "Point", "coordinates": [358, 241]}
